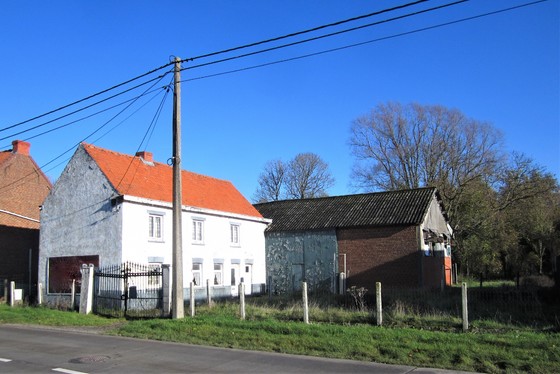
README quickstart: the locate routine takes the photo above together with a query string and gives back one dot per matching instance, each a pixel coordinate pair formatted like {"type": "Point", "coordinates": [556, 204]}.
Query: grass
{"type": "Point", "coordinates": [432, 341]}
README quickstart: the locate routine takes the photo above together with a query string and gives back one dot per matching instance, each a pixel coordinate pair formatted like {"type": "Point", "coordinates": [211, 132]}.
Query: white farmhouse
{"type": "Point", "coordinates": [108, 208]}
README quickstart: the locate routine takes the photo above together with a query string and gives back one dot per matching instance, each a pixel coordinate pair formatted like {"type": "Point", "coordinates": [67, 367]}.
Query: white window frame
{"type": "Point", "coordinates": [235, 234]}
{"type": "Point", "coordinates": [197, 234]}
{"type": "Point", "coordinates": [218, 279]}
{"type": "Point", "coordinates": [154, 236]}
{"type": "Point", "coordinates": [154, 280]}
{"type": "Point", "coordinates": [197, 270]}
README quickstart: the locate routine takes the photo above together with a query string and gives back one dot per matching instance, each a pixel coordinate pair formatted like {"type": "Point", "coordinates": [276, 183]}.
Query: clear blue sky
{"type": "Point", "coordinates": [503, 69]}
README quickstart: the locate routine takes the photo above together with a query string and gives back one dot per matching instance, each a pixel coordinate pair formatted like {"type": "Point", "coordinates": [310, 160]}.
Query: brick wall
{"type": "Point", "coordinates": [380, 254]}
{"type": "Point", "coordinates": [14, 254]}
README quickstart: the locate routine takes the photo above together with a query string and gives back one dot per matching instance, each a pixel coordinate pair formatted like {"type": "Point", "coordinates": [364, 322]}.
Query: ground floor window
{"type": "Point", "coordinates": [218, 274]}
{"type": "Point", "coordinates": [197, 273]}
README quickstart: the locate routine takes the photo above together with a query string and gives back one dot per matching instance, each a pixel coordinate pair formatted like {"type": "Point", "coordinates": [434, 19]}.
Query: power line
{"type": "Point", "coordinates": [326, 35]}
{"type": "Point", "coordinates": [200, 57]}
{"type": "Point", "coordinates": [305, 31]}
{"type": "Point", "coordinates": [363, 43]}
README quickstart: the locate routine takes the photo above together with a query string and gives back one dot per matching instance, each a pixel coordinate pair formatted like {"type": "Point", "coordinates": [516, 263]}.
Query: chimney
{"type": "Point", "coordinates": [146, 156]}
{"type": "Point", "coordinates": [21, 147]}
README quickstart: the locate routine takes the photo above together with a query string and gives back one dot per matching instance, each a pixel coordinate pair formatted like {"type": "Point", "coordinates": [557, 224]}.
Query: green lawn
{"type": "Point", "coordinates": [340, 334]}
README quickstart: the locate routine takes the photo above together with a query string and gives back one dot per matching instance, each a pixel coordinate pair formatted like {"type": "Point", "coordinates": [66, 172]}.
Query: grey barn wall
{"type": "Point", "coordinates": [78, 219]}
{"type": "Point", "coordinates": [313, 252]}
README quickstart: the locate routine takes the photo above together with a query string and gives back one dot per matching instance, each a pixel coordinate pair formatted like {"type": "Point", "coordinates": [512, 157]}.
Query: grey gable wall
{"type": "Point", "coordinates": [77, 218]}
{"type": "Point", "coordinates": [293, 256]}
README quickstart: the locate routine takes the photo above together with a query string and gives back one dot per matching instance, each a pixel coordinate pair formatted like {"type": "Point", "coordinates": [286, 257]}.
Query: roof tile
{"type": "Point", "coordinates": [132, 176]}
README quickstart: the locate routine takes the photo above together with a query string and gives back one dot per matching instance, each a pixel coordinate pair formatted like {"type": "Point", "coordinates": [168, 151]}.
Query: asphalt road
{"type": "Point", "coordinates": [25, 349]}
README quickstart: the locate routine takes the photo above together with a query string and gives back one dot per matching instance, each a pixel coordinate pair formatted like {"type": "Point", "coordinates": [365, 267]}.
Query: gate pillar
{"type": "Point", "coordinates": [86, 294]}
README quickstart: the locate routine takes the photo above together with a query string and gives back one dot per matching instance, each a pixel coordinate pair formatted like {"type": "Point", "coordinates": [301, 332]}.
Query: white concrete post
{"type": "Point", "coordinates": [166, 285]}
{"type": "Point", "coordinates": [378, 304]}
{"type": "Point", "coordinates": [342, 283]}
{"type": "Point", "coordinates": [192, 300]}
{"type": "Point", "coordinates": [73, 295]}
{"type": "Point", "coordinates": [242, 300]}
{"type": "Point", "coordinates": [208, 293]}
{"type": "Point", "coordinates": [305, 303]}
{"type": "Point", "coordinates": [86, 294]}
{"type": "Point", "coordinates": [12, 293]}
{"type": "Point", "coordinates": [465, 307]}
{"type": "Point", "coordinates": [39, 293]}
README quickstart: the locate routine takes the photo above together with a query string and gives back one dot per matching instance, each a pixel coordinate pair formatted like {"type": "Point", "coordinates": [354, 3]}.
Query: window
{"type": "Point", "coordinates": [197, 273]}
{"type": "Point", "coordinates": [218, 274]}
{"type": "Point", "coordinates": [198, 231]}
{"type": "Point", "coordinates": [234, 234]}
{"type": "Point", "coordinates": [155, 227]}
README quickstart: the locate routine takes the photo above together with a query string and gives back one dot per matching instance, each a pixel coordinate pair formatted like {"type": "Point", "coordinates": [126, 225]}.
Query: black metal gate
{"type": "Point", "coordinates": [130, 290]}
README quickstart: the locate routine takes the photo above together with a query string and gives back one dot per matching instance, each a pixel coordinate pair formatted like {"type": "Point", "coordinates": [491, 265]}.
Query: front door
{"type": "Point", "coordinates": [235, 280]}
{"type": "Point", "coordinates": [248, 278]}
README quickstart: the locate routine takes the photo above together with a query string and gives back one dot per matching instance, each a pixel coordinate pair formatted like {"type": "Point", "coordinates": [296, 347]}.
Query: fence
{"type": "Point", "coordinates": [129, 290]}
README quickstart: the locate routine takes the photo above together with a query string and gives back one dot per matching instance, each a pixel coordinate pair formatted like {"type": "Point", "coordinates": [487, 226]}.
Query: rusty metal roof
{"type": "Point", "coordinates": [403, 207]}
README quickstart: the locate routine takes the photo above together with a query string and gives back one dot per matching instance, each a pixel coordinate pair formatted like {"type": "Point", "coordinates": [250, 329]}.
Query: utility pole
{"type": "Point", "coordinates": [177, 303]}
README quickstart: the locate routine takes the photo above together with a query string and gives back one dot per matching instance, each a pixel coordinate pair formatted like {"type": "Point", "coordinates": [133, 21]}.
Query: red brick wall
{"type": "Point", "coordinates": [380, 254]}
{"type": "Point", "coordinates": [14, 254]}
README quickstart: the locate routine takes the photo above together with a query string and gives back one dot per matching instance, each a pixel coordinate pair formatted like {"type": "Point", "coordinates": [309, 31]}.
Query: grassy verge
{"type": "Point", "coordinates": [335, 333]}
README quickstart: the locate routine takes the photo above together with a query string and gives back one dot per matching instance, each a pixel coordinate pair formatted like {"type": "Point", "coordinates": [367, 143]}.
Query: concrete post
{"type": "Point", "coordinates": [73, 295]}
{"type": "Point", "coordinates": [305, 303]}
{"type": "Point", "coordinates": [86, 294]}
{"type": "Point", "coordinates": [12, 293]}
{"type": "Point", "coordinates": [378, 305]}
{"type": "Point", "coordinates": [465, 307]}
{"type": "Point", "coordinates": [342, 283]}
{"type": "Point", "coordinates": [208, 293]}
{"type": "Point", "coordinates": [192, 300]}
{"type": "Point", "coordinates": [242, 300]}
{"type": "Point", "coordinates": [166, 285]}
{"type": "Point", "coordinates": [39, 293]}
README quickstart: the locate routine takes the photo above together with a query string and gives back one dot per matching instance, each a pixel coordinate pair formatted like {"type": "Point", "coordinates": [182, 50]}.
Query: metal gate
{"type": "Point", "coordinates": [130, 290]}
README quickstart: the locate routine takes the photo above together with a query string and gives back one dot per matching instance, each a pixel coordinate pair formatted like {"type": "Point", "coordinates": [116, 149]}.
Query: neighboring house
{"type": "Point", "coordinates": [23, 187]}
{"type": "Point", "coordinates": [108, 208]}
{"type": "Point", "coordinates": [399, 238]}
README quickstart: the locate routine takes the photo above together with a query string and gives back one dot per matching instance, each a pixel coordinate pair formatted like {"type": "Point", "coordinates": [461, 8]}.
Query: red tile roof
{"type": "Point", "coordinates": [23, 187]}
{"type": "Point", "coordinates": [132, 176]}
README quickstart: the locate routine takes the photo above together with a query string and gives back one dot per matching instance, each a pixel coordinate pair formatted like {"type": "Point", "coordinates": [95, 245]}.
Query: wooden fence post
{"type": "Point", "coordinates": [242, 300]}
{"type": "Point", "coordinates": [465, 307]}
{"type": "Point", "coordinates": [378, 303]}
{"type": "Point", "coordinates": [192, 300]}
{"type": "Point", "coordinates": [305, 303]}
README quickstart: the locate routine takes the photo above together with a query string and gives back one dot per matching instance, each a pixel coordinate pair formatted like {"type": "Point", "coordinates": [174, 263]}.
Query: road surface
{"type": "Point", "coordinates": [28, 349]}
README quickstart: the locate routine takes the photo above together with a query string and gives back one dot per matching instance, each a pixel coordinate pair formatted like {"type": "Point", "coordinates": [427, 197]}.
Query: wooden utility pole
{"type": "Point", "coordinates": [177, 303]}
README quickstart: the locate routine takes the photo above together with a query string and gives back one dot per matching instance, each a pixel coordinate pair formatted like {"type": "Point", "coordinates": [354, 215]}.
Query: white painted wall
{"type": "Point", "coordinates": [216, 246]}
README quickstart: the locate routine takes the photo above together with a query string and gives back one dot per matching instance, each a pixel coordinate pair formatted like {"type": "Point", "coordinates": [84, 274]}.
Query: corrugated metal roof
{"type": "Point", "coordinates": [403, 207]}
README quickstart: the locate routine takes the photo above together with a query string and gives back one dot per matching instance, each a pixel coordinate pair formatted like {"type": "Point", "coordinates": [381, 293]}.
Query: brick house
{"type": "Point", "coordinates": [23, 187]}
{"type": "Point", "coordinates": [400, 238]}
{"type": "Point", "coordinates": [107, 208]}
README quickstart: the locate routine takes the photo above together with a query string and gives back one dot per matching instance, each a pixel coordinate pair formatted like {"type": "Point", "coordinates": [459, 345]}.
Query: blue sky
{"type": "Point", "coordinates": [503, 69]}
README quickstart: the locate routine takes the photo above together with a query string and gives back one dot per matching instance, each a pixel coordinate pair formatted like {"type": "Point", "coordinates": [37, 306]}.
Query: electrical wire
{"type": "Point", "coordinates": [205, 56]}
{"type": "Point", "coordinates": [363, 43]}
{"type": "Point", "coordinates": [326, 35]}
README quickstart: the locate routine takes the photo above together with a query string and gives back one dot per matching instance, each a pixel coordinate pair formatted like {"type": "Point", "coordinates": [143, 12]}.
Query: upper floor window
{"type": "Point", "coordinates": [234, 234]}
{"type": "Point", "coordinates": [155, 227]}
{"type": "Point", "coordinates": [198, 231]}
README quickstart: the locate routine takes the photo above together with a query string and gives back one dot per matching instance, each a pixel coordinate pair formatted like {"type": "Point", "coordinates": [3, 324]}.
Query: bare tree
{"type": "Point", "coordinates": [408, 146]}
{"type": "Point", "coordinates": [305, 176]}
{"type": "Point", "coordinates": [271, 181]}
{"type": "Point", "coordinates": [308, 176]}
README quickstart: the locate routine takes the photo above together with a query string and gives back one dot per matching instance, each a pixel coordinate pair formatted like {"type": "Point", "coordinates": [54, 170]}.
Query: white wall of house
{"type": "Point", "coordinates": [215, 248]}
